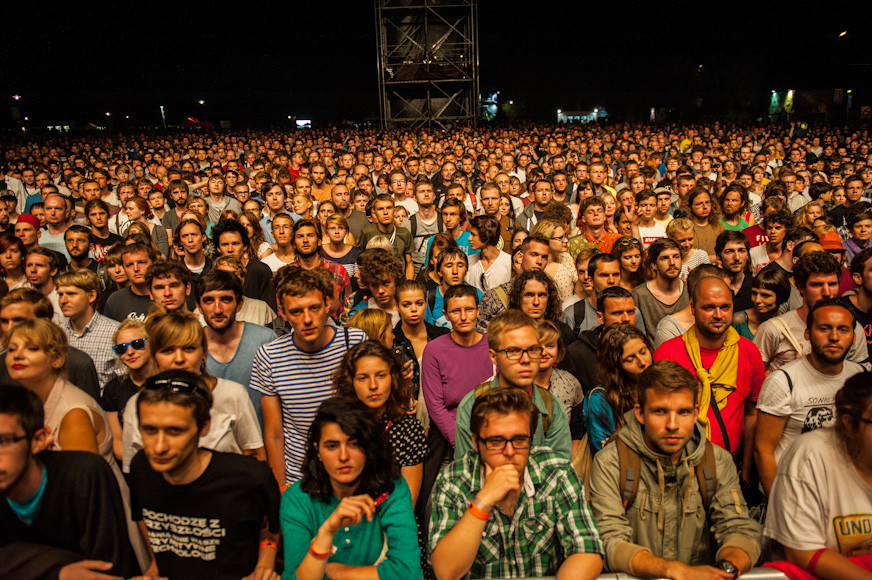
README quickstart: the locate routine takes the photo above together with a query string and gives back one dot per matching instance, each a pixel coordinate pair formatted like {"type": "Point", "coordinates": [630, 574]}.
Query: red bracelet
{"type": "Point", "coordinates": [319, 555]}
{"type": "Point", "coordinates": [812, 564]}
{"type": "Point", "coordinates": [268, 544]}
{"type": "Point", "coordinates": [284, 487]}
{"type": "Point", "coordinates": [477, 513]}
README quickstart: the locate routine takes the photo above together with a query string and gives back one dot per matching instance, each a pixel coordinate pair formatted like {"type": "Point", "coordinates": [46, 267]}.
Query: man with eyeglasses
{"type": "Point", "coordinates": [515, 353]}
{"type": "Point", "coordinates": [397, 187]}
{"type": "Point", "coordinates": [508, 509]}
{"type": "Point", "coordinates": [61, 514]}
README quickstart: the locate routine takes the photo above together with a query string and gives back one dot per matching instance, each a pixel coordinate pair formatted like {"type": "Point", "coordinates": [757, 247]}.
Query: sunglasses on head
{"type": "Point", "coordinates": [176, 385]}
{"type": "Point", "coordinates": [137, 344]}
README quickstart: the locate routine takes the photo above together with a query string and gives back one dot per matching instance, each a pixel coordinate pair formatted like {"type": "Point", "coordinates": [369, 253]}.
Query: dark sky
{"type": "Point", "coordinates": [261, 62]}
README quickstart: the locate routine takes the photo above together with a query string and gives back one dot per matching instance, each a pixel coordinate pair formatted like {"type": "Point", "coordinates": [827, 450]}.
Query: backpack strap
{"type": "Point", "coordinates": [548, 400]}
{"type": "Point", "coordinates": [579, 310]}
{"type": "Point", "coordinates": [413, 224]}
{"type": "Point", "coordinates": [707, 475]}
{"type": "Point", "coordinates": [629, 464]}
{"type": "Point", "coordinates": [501, 294]}
{"type": "Point", "coordinates": [782, 326]}
{"type": "Point", "coordinates": [347, 342]}
{"type": "Point", "coordinates": [431, 300]}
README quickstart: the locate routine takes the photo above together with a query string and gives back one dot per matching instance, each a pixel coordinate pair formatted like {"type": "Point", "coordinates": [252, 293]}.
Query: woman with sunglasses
{"type": "Point", "coordinates": [631, 255]}
{"type": "Point", "coordinates": [351, 513]}
{"type": "Point", "coordinates": [176, 340]}
{"type": "Point", "coordinates": [130, 345]}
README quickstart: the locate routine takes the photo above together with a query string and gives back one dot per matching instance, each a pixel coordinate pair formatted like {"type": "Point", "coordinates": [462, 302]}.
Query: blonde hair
{"type": "Point", "coordinates": [547, 228]}
{"type": "Point", "coordinates": [678, 225]}
{"type": "Point", "coordinates": [83, 279]}
{"type": "Point", "coordinates": [380, 242]}
{"type": "Point", "coordinates": [45, 335]}
{"type": "Point", "coordinates": [173, 328]}
{"type": "Point", "coordinates": [373, 321]}
{"type": "Point", "coordinates": [129, 324]}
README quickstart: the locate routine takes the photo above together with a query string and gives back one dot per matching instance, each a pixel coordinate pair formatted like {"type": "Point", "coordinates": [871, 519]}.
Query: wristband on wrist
{"type": "Point", "coordinates": [477, 513]}
{"type": "Point", "coordinates": [812, 564]}
{"type": "Point", "coordinates": [284, 487]}
{"type": "Point", "coordinates": [268, 544]}
{"type": "Point", "coordinates": [320, 555]}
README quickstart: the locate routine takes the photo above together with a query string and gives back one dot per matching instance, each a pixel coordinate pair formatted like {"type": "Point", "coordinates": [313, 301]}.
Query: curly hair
{"type": "Point", "coordinates": [398, 404]}
{"type": "Point", "coordinates": [377, 265]}
{"type": "Point", "coordinates": [819, 262]}
{"type": "Point", "coordinates": [552, 308]}
{"type": "Point", "coordinates": [359, 423]}
{"type": "Point", "coordinates": [620, 389]}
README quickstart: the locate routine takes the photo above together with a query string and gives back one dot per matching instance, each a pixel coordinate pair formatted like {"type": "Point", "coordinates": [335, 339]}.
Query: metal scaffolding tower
{"type": "Point", "coordinates": [427, 61]}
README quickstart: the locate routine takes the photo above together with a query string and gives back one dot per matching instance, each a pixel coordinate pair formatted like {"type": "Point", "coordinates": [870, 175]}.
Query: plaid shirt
{"type": "Point", "coordinates": [583, 241]}
{"type": "Point", "coordinates": [96, 342]}
{"type": "Point", "coordinates": [551, 520]}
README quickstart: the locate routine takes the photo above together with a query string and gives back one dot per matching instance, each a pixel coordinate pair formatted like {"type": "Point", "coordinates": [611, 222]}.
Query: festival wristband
{"type": "Point", "coordinates": [477, 513]}
{"type": "Point", "coordinates": [320, 555]}
{"type": "Point", "coordinates": [268, 544]}
{"type": "Point", "coordinates": [812, 564]}
{"type": "Point", "coordinates": [284, 487]}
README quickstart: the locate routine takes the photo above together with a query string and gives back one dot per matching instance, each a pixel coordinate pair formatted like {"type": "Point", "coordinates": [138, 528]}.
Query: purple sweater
{"type": "Point", "coordinates": [448, 372]}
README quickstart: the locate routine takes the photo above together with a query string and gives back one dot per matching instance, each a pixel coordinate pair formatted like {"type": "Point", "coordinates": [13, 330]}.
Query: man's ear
{"type": "Point", "coordinates": [493, 356]}
{"type": "Point", "coordinates": [205, 430]}
{"type": "Point", "coordinates": [41, 440]}
{"type": "Point", "coordinates": [188, 289]}
{"type": "Point", "coordinates": [639, 417]}
{"type": "Point", "coordinates": [599, 317]}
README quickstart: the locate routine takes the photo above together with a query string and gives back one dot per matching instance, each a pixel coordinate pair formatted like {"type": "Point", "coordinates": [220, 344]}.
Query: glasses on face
{"type": "Point", "coordinates": [515, 353]}
{"type": "Point", "coordinates": [499, 443]}
{"type": "Point", "coordinates": [398, 181]}
{"type": "Point", "coordinates": [457, 312]}
{"type": "Point", "coordinates": [8, 441]}
{"type": "Point", "coordinates": [137, 344]}
{"type": "Point", "coordinates": [629, 242]}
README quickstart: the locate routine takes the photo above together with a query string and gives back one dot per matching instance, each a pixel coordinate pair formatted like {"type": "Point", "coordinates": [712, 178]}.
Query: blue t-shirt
{"type": "Point", "coordinates": [462, 241]}
{"type": "Point", "coordinates": [239, 368]}
{"type": "Point", "coordinates": [436, 316]}
{"type": "Point", "coordinates": [27, 510]}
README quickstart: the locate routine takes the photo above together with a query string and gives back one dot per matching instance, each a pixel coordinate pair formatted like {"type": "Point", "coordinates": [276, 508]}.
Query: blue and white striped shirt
{"type": "Point", "coordinates": [302, 381]}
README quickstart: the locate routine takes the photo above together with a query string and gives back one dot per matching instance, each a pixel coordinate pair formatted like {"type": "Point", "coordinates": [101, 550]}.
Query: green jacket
{"type": "Point", "coordinates": [667, 517]}
{"type": "Point", "coordinates": [558, 437]}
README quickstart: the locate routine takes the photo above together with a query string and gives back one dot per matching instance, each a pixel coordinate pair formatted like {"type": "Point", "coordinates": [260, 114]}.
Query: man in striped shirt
{"type": "Point", "coordinates": [294, 373]}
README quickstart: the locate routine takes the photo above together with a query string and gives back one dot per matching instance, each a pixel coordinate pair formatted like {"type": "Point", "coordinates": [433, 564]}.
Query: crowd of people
{"type": "Point", "coordinates": [491, 352]}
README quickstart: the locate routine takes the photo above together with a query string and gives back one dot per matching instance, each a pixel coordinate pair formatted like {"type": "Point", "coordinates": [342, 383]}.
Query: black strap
{"type": "Point", "coordinates": [579, 310]}
{"type": "Point", "coordinates": [347, 342]}
{"type": "Point", "coordinates": [714, 406]}
{"type": "Point", "coordinates": [789, 381]}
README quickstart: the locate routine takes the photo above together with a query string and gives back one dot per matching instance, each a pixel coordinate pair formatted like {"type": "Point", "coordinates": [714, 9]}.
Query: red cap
{"type": "Point", "coordinates": [831, 241]}
{"type": "Point", "coordinates": [27, 218]}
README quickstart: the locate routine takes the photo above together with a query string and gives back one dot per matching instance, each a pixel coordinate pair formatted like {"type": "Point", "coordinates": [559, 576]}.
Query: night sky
{"type": "Point", "coordinates": [261, 62]}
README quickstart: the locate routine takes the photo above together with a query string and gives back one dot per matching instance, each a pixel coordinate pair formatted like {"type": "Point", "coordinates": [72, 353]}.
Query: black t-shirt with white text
{"type": "Point", "coordinates": [209, 528]}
